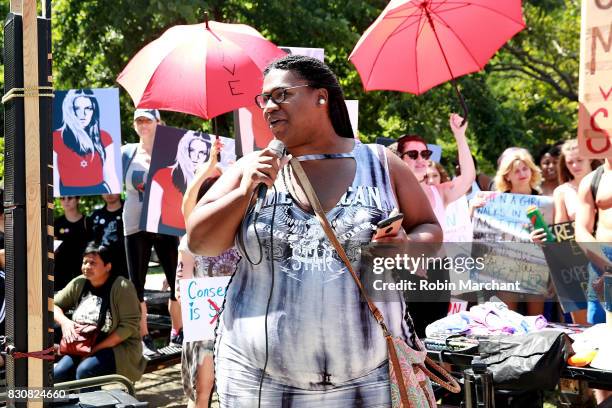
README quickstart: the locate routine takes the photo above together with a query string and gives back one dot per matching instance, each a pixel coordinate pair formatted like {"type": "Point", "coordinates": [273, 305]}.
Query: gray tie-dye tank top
{"type": "Point", "coordinates": [318, 329]}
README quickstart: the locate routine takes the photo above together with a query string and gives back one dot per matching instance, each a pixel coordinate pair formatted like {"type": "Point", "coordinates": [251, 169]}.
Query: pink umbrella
{"type": "Point", "coordinates": [201, 69]}
{"type": "Point", "coordinates": [415, 45]}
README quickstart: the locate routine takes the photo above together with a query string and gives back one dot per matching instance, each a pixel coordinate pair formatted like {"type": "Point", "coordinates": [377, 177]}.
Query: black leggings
{"type": "Point", "coordinates": [138, 251]}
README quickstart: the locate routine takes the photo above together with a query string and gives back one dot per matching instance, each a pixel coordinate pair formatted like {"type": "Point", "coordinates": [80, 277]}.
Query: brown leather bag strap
{"type": "Point", "coordinates": [318, 209]}
{"type": "Point", "coordinates": [397, 370]}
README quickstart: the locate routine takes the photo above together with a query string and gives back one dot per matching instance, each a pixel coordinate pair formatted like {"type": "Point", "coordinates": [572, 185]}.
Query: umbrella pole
{"type": "Point", "coordinates": [216, 133]}
{"type": "Point", "coordinates": [453, 81]}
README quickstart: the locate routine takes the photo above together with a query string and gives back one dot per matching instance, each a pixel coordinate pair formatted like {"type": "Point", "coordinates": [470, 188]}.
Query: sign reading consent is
{"type": "Point", "coordinates": [595, 88]}
{"type": "Point", "coordinates": [201, 301]}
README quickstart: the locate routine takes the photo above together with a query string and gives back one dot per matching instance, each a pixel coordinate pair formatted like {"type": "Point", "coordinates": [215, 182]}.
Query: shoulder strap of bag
{"type": "Point", "coordinates": [450, 383]}
{"type": "Point", "coordinates": [595, 181]}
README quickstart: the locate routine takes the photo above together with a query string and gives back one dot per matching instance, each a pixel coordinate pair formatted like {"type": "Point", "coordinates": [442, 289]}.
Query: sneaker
{"type": "Point", "coordinates": [177, 339]}
{"type": "Point", "coordinates": [148, 348]}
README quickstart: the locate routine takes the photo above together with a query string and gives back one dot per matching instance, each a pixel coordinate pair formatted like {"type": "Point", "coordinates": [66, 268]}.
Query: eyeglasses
{"type": "Point", "coordinates": [67, 198]}
{"type": "Point", "coordinates": [278, 96]}
{"type": "Point", "coordinates": [414, 154]}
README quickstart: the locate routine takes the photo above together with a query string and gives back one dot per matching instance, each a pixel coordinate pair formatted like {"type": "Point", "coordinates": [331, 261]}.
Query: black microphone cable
{"type": "Point", "coordinates": [241, 244]}
{"type": "Point", "coordinates": [271, 256]}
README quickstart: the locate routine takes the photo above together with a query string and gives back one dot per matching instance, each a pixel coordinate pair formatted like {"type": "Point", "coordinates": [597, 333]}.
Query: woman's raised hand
{"type": "Point", "coordinates": [456, 127]}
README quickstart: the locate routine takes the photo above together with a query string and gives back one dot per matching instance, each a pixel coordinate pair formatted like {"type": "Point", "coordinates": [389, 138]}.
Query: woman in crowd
{"type": "Point", "coordinates": [299, 295]}
{"type": "Point", "coordinates": [413, 150]}
{"type": "Point", "coordinates": [436, 174]}
{"type": "Point", "coordinates": [516, 174]}
{"type": "Point", "coordinates": [137, 159]}
{"type": "Point", "coordinates": [572, 168]}
{"type": "Point", "coordinates": [548, 162]}
{"type": "Point", "coordinates": [117, 349]}
{"type": "Point", "coordinates": [70, 231]}
{"type": "Point", "coordinates": [197, 357]}
{"type": "Point", "coordinates": [169, 183]}
{"type": "Point", "coordinates": [83, 154]}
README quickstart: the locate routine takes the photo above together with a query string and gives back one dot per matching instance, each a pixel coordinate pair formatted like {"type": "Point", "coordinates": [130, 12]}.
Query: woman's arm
{"type": "Point", "coordinates": [184, 269]}
{"type": "Point", "coordinates": [585, 212]}
{"type": "Point", "coordinates": [110, 170]}
{"type": "Point", "coordinates": [208, 170]}
{"type": "Point", "coordinates": [560, 211]}
{"type": "Point", "coordinates": [212, 225]}
{"type": "Point", "coordinates": [154, 206]}
{"type": "Point", "coordinates": [67, 325]}
{"type": "Point", "coordinates": [460, 185]}
{"type": "Point", "coordinates": [420, 222]}
{"type": "Point", "coordinates": [128, 320]}
{"type": "Point", "coordinates": [110, 341]}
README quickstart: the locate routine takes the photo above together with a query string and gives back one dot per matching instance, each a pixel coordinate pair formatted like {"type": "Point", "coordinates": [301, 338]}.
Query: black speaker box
{"type": "Point", "coordinates": [15, 198]}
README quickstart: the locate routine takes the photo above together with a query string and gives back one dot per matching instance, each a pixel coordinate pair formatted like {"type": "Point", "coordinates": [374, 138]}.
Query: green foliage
{"type": "Point", "coordinates": [526, 96]}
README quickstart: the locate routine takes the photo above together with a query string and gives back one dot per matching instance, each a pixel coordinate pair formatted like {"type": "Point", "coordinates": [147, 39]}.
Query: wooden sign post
{"type": "Point", "coordinates": [33, 196]}
{"type": "Point", "coordinates": [595, 88]}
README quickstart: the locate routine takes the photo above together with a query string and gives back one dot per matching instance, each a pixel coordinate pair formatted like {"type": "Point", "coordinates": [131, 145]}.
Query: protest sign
{"type": "Point", "coordinates": [176, 155]}
{"type": "Point", "coordinates": [503, 219]}
{"type": "Point", "coordinates": [201, 301]}
{"type": "Point", "coordinates": [594, 89]}
{"type": "Point", "coordinates": [568, 268]}
{"type": "Point", "coordinates": [86, 142]}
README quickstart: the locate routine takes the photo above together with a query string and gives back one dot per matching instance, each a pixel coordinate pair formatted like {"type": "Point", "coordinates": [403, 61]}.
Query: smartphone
{"type": "Point", "coordinates": [389, 226]}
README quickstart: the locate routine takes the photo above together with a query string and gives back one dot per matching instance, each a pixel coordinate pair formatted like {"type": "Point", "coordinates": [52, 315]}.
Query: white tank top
{"type": "Point", "coordinates": [317, 323]}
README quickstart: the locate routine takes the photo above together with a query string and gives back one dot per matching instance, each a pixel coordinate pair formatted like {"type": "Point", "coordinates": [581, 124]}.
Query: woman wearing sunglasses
{"type": "Point", "coordinates": [414, 152]}
{"type": "Point", "coordinates": [412, 149]}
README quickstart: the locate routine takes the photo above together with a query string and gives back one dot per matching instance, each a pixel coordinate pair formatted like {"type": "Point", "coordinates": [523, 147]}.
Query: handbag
{"type": "Point", "coordinates": [409, 377]}
{"type": "Point", "coordinates": [86, 334]}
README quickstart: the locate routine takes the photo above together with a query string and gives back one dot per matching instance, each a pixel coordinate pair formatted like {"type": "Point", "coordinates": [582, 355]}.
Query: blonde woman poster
{"type": "Point", "coordinates": [177, 155]}
{"type": "Point", "coordinates": [86, 142]}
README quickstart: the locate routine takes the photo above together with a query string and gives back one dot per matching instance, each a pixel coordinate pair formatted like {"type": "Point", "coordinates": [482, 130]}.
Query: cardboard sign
{"type": "Point", "coordinates": [568, 268]}
{"type": "Point", "coordinates": [201, 301]}
{"type": "Point", "coordinates": [86, 142]}
{"type": "Point", "coordinates": [503, 219]}
{"type": "Point", "coordinates": [595, 88]}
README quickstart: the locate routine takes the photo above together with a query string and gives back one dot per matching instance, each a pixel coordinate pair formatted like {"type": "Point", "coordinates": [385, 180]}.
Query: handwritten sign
{"type": "Point", "coordinates": [568, 268]}
{"type": "Point", "coordinates": [201, 301]}
{"type": "Point", "coordinates": [503, 219]}
{"type": "Point", "coordinates": [595, 87]}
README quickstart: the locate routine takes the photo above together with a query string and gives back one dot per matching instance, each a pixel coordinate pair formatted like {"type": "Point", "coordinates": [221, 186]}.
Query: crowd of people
{"type": "Point", "coordinates": [299, 296]}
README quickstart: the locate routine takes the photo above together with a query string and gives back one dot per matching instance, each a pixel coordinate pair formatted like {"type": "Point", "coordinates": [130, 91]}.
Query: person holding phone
{"type": "Point", "coordinates": [300, 296]}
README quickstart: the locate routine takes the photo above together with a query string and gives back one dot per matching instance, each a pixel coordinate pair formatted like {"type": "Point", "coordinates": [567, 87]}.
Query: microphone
{"type": "Point", "coordinates": [278, 148]}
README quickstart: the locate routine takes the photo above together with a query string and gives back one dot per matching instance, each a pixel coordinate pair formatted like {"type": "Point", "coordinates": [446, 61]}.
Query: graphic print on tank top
{"type": "Point", "coordinates": [301, 247]}
{"type": "Point", "coordinates": [318, 326]}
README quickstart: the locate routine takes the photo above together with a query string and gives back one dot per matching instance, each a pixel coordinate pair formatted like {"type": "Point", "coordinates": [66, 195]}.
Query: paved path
{"type": "Point", "coordinates": [163, 389]}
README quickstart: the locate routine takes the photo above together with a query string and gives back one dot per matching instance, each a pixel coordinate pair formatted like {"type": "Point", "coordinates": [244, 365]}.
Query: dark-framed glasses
{"type": "Point", "coordinates": [414, 154]}
{"type": "Point", "coordinates": [277, 96]}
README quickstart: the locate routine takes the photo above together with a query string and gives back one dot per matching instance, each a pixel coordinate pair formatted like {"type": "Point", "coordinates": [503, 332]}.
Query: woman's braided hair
{"type": "Point", "coordinates": [318, 75]}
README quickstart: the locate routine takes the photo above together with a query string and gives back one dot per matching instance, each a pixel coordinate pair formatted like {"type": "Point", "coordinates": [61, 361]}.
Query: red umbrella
{"type": "Point", "coordinates": [415, 45]}
{"type": "Point", "coordinates": [201, 69]}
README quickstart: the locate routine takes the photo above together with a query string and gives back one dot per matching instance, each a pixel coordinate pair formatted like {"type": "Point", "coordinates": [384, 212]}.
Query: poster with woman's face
{"type": "Point", "coordinates": [177, 155]}
{"type": "Point", "coordinates": [86, 142]}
